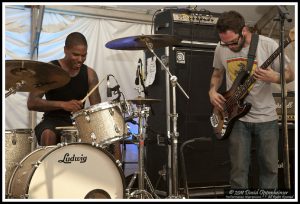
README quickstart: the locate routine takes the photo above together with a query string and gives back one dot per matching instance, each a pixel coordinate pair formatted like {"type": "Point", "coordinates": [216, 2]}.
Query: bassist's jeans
{"type": "Point", "coordinates": [266, 143]}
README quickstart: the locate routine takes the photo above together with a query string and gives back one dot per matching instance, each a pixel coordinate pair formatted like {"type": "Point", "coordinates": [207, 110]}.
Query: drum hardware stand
{"type": "Point", "coordinates": [143, 113]}
{"type": "Point", "coordinates": [13, 90]}
{"type": "Point", "coordinates": [284, 15]}
{"type": "Point", "coordinates": [174, 134]}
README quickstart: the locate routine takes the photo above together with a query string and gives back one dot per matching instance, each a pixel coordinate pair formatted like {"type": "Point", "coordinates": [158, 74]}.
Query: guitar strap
{"type": "Point", "coordinates": [252, 51]}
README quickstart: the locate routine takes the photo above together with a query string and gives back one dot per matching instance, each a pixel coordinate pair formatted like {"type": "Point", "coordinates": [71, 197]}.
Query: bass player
{"type": "Point", "coordinates": [260, 122]}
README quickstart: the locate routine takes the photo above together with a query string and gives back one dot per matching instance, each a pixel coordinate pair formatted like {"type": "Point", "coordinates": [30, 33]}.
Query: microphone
{"type": "Point", "coordinates": [116, 88]}
{"type": "Point", "coordinates": [137, 81]}
{"type": "Point", "coordinates": [141, 69]}
{"type": "Point", "coordinates": [137, 78]}
{"type": "Point", "coordinates": [108, 91]}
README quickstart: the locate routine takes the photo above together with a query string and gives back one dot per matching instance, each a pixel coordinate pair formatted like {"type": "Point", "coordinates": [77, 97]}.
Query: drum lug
{"type": "Point", "coordinates": [26, 196]}
{"type": "Point", "coordinates": [93, 137]}
{"type": "Point", "coordinates": [36, 164]}
{"type": "Point", "coordinates": [19, 165]}
{"type": "Point", "coordinates": [117, 129]}
{"type": "Point", "coordinates": [102, 145]}
{"type": "Point", "coordinates": [14, 141]}
{"type": "Point", "coordinates": [30, 138]}
{"type": "Point", "coordinates": [87, 117]}
{"type": "Point", "coordinates": [119, 164]}
{"type": "Point", "coordinates": [111, 111]}
{"type": "Point", "coordinates": [14, 138]}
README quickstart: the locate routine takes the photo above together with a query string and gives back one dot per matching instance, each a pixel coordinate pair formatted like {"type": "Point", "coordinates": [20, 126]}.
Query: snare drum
{"type": "Point", "coordinates": [101, 123]}
{"type": "Point", "coordinates": [17, 146]}
{"type": "Point", "coordinates": [68, 134]}
{"type": "Point", "coordinates": [73, 171]}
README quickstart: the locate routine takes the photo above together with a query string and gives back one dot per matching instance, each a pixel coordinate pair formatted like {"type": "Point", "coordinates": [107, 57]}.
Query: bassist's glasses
{"type": "Point", "coordinates": [232, 43]}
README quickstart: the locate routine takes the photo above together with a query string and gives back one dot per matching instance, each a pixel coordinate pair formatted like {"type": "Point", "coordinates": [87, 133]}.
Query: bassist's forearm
{"type": "Point", "coordinates": [216, 80]}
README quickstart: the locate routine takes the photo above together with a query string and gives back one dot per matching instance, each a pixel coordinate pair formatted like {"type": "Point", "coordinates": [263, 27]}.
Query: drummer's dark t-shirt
{"type": "Point", "coordinates": [77, 89]}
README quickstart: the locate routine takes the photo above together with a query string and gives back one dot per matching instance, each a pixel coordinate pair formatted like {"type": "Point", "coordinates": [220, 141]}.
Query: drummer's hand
{"type": "Point", "coordinates": [72, 106]}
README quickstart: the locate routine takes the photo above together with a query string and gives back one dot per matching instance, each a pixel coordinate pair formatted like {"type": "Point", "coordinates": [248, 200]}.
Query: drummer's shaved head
{"type": "Point", "coordinates": [75, 38]}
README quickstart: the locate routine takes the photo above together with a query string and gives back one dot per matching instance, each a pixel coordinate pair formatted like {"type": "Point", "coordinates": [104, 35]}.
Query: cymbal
{"type": "Point", "coordinates": [36, 75]}
{"type": "Point", "coordinates": [142, 100]}
{"type": "Point", "coordinates": [139, 42]}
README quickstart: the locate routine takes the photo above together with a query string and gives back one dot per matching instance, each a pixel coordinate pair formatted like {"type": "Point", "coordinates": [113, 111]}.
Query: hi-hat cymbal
{"type": "Point", "coordinates": [36, 75]}
{"type": "Point", "coordinates": [139, 42]}
{"type": "Point", "coordinates": [142, 100]}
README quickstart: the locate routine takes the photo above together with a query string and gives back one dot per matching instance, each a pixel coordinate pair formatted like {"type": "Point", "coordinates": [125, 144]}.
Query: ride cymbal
{"type": "Point", "coordinates": [140, 42]}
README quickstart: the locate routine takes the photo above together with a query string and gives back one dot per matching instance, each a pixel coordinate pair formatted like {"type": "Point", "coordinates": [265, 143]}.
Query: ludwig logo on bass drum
{"type": "Point", "coordinates": [69, 159]}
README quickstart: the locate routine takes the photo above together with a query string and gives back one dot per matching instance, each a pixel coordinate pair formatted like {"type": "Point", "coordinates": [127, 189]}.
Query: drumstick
{"type": "Point", "coordinates": [83, 100]}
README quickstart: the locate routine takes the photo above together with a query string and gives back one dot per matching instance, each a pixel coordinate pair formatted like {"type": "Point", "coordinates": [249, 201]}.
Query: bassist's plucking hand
{"type": "Point", "coordinates": [217, 99]}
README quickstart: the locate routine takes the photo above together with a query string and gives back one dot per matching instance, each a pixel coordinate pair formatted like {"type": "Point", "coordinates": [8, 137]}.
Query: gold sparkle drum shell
{"type": "Point", "coordinates": [101, 123]}
{"type": "Point", "coordinates": [17, 146]}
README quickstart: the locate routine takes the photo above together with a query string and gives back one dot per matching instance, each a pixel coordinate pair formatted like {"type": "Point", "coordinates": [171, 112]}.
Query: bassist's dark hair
{"type": "Point", "coordinates": [230, 20]}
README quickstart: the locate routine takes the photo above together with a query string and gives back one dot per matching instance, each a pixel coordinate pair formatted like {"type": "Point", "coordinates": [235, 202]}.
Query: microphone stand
{"type": "Point", "coordinates": [283, 15]}
{"type": "Point", "coordinates": [174, 134]}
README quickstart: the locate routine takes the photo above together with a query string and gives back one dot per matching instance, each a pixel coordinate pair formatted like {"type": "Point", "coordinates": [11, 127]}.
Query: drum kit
{"type": "Point", "coordinates": [80, 166]}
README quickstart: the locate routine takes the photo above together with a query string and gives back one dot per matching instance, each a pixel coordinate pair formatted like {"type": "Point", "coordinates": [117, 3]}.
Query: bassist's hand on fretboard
{"type": "Point", "coordinates": [266, 75]}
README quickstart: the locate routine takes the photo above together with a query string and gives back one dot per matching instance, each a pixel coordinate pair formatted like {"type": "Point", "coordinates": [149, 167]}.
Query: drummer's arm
{"type": "Point", "coordinates": [36, 102]}
{"type": "Point", "coordinates": [95, 97]}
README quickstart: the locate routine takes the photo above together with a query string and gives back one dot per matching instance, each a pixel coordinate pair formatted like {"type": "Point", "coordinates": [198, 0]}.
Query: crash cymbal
{"type": "Point", "coordinates": [142, 100]}
{"type": "Point", "coordinates": [139, 42]}
{"type": "Point", "coordinates": [36, 75]}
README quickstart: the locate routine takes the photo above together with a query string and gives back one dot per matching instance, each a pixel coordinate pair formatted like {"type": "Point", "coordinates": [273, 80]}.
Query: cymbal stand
{"type": "Point", "coordinates": [174, 134]}
{"type": "Point", "coordinates": [142, 114]}
{"type": "Point", "coordinates": [13, 90]}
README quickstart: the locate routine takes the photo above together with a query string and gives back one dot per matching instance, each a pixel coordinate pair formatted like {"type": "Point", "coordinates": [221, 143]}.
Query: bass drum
{"type": "Point", "coordinates": [74, 171]}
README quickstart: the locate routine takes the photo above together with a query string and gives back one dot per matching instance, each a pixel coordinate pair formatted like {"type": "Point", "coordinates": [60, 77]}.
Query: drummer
{"type": "Point", "coordinates": [60, 102]}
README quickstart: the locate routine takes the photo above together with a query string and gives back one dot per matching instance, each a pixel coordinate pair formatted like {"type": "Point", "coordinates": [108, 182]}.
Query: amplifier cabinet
{"type": "Point", "coordinates": [188, 25]}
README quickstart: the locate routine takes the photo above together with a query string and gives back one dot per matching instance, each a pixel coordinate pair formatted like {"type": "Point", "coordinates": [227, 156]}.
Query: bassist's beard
{"type": "Point", "coordinates": [240, 45]}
